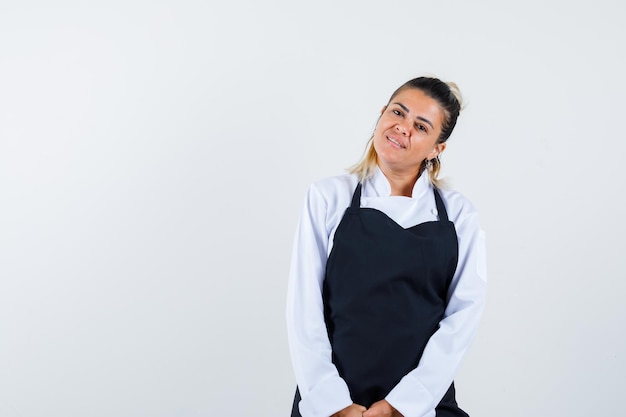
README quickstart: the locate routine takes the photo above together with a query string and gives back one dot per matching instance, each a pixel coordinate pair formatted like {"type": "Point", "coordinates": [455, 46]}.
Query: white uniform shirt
{"type": "Point", "coordinates": [323, 391]}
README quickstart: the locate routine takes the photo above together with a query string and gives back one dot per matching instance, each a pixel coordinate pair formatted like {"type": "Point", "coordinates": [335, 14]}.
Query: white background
{"type": "Point", "coordinates": [154, 156]}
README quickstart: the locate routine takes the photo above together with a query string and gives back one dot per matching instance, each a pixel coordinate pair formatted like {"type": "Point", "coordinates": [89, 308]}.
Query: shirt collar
{"type": "Point", "coordinates": [378, 185]}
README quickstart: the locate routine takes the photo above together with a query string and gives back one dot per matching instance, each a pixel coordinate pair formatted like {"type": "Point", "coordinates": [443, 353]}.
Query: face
{"type": "Point", "coordinates": [407, 132]}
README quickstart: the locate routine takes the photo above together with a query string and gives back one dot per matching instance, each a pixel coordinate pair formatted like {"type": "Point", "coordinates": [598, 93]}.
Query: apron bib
{"type": "Point", "coordinates": [384, 294]}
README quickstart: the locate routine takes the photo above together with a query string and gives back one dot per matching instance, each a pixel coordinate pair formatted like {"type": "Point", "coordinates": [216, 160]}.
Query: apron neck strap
{"type": "Point", "coordinates": [441, 209]}
{"type": "Point", "coordinates": [356, 197]}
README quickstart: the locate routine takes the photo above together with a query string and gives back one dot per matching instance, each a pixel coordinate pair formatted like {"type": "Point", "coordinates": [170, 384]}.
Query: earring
{"type": "Point", "coordinates": [429, 164]}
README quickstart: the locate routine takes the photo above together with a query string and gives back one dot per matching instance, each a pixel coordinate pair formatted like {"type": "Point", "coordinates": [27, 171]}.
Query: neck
{"type": "Point", "coordinates": [401, 183]}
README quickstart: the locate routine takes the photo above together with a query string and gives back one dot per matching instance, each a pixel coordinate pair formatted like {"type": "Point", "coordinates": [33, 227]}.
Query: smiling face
{"type": "Point", "coordinates": [407, 132]}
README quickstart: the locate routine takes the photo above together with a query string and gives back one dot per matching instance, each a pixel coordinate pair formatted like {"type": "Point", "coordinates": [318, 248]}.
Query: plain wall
{"type": "Point", "coordinates": [154, 156]}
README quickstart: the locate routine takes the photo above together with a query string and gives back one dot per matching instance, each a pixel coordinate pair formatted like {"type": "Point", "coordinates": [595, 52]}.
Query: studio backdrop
{"type": "Point", "coordinates": [154, 157]}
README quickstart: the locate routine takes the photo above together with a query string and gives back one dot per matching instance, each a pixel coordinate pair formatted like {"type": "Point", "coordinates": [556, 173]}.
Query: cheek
{"type": "Point", "coordinates": [378, 130]}
{"type": "Point", "coordinates": [379, 147]}
{"type": "Point", "coordinates": [379, 139]}
{"type": "Point", "coordinates": [377, 135]}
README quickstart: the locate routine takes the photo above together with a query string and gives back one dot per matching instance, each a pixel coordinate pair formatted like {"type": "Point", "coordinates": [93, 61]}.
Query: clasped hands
{"type": "Point", "coordinates": [379, 409]}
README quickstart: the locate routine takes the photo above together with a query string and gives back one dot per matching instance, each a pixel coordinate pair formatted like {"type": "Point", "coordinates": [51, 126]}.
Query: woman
{"type": "Point", "coordinates": [387, 280]}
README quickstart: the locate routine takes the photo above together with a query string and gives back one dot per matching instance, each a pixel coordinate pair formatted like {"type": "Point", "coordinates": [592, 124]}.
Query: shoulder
{"type": "Point", "coordinates": [460, 208]}
{"type": "Point", "coordinates": [334, 190]}
{"type": "Point", "coordinates": [327, 199]}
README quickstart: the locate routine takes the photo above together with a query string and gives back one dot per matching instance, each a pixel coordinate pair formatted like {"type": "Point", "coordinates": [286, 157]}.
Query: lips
{"type": "Point", "coordinates": [395, 142]}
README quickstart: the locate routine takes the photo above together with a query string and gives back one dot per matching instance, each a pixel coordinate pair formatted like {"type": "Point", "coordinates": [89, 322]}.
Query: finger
{"type": "Point", "coordinates": [370, 413]}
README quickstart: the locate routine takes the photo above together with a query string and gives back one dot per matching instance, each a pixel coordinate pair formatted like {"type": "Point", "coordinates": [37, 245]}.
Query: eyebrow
{"type": "Point", "coordinates": [406, 109]}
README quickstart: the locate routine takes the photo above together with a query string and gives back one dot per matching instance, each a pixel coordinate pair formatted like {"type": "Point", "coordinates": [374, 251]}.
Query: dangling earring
{"type": "Point", "coordinates": [429, 164]}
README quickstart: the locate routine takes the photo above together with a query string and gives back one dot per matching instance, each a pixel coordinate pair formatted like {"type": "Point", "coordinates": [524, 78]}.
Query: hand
{"type": "Point", "coordinates": [354, 410]}
{"type": "Point", "coordinates": [381, 409]}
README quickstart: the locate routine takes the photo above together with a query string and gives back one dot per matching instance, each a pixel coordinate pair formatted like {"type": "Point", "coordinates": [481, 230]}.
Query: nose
{"type": "Point", "coordinates": [403, 128]}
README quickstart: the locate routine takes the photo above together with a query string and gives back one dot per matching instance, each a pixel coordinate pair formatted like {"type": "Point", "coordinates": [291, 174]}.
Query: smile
{"type": "Point", "coordinates": [395, 142]}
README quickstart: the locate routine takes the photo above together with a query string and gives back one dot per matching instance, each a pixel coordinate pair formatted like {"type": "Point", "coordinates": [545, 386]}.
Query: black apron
{"type": "Point", "coordinates": [384, 293]}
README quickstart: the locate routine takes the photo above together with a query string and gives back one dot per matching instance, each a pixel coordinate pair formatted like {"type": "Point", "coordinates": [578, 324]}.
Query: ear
{"type": "Point", "coordinates": [439, 148]}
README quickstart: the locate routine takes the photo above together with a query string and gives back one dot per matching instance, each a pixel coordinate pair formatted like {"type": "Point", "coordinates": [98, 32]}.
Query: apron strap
{"type": "Point", "coordinates": [441, 208]}
{"type": "Point", "coordinates": [356, 197]}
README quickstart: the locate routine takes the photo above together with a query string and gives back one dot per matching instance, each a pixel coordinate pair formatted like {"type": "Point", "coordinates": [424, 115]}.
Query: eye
{"type": "Point", "coordinates": [421, 127]}
{"type": "Point", "coordinates": [396, 112]}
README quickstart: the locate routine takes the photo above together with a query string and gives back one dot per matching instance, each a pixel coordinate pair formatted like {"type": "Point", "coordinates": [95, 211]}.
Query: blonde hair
{"type": "Point", "coordinates": [448, 95]}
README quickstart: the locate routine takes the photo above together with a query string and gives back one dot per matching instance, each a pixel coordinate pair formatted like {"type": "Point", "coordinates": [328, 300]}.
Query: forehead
{"type": "Point", "coordinates": [417, 98]}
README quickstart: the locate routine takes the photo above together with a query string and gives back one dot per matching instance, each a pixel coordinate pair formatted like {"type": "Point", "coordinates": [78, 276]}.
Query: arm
{"type": "Point", "coordinates": [420, 390]}
{"type": "Point", "coordinates": [323, 391]}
